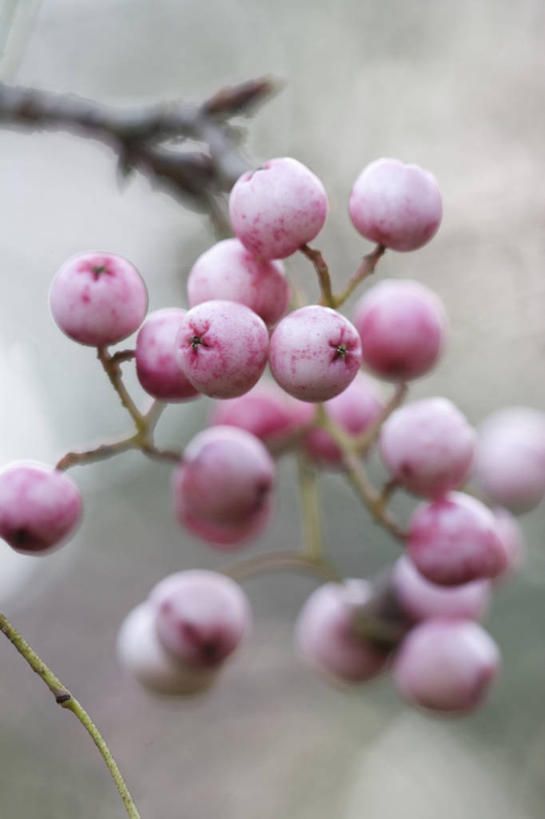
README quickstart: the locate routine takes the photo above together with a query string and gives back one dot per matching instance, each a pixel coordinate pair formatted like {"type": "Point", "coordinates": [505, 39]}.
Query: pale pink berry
{"type": "Point", "coordinates": [315, 353]}
{"type": "Point", "coordinates": [98, 298]}
{"type": "Point", "coordinates": [232, 272]}
{"type": "Point", "coordinates": [446, 665]}
{"type": "Point", "coordinates": [354, 409]}
{"type": "Point", "coordinates": [227, 536]}
{"type": "Point", "coordinates": [455, 540]}
{"type": "Point", "coordinates": [419, 599]}
{"type": "Point", "coordinates": [509, 464]}
{"type": "Point", "coordinates": [224, 482]}
{"type": "Point", "coordinates": [428, 446]}
{"type": "Point", "coordinates": [222, 348]}
{"type": "Point", "coordinates": [402, 327]}
{"type": "Point", "coordinates": [201, 617]}
{"type": "Point", "coordinates": [39, 506]}
{"type": "Point", "coordinates": [277, 208]}
{"type": "Point", "coordinates": [267, 412]}
{"type": "Point", "coordinates": [141, 653]}
{"type": "Point", "coordinates": [512, 538]}
{"type": "Point", "coordinates": [156, 365]}
{"type": "Point", "coordinates": [397, 205]}
{"type": "Point", "coordinates": [327, 635]}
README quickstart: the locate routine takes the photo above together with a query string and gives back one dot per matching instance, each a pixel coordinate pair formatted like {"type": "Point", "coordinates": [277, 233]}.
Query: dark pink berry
{"type": "Point", "coordinates": [39, 507]}
{"type": "Point", "coordinates": [98, 298]}
{"type": "Point", "coordinates": [396, 205]}
{"type": "Point", "coordinates": [428, 446]}
{"type": "Point", "coordinates": [327, 635]}
{"type": "Point", "coordinates": [277, 208]}
{"type": "Point", "coordinates": [222, 488]}
{"type": "Point", "coordinates": [201, 617]}
{"type": "Point", "coordinates": [232, 272]}
{"type": "Point", "coordinates": [142, 654]}
{"type": "Point", "coordinates": [354, 409]}
{"type": "Point", "coordinates": [402, 328]}
{"type": "Point", "coordinates": [222, 348]}
{"type": "Point", "coordinates": [420, 599]}
{"type": "Point", "coordinates": [509, 464]}
{"type": "Point", "coordinates": [455, 540]}
{"type": "Point", "coordinates": [315, 353]}
{"type": "Point", "coordinates": [156, 365]}
{"type": "Point", "coordinates": [446, 665]}
{"type": "Point", "coordinates": [267, 412]}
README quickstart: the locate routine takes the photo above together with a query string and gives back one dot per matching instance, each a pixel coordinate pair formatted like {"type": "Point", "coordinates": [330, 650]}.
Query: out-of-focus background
{"type": "Point", "coordinates": [456, 87]}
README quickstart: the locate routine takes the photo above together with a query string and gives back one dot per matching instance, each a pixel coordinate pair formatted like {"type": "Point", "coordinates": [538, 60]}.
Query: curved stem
{"type": "Point", "coordinates": [321, 268]}
{"type": "Point", "coordinates": [281, 561]}
{"type": "Point", "coordinates": [363, 442]}
{"type": "Point", "coordinates": [366, 268]}
{"type": "Point", "coordinates": [113, 371]}
{"type": "Point", "coordinates": [66, 700]}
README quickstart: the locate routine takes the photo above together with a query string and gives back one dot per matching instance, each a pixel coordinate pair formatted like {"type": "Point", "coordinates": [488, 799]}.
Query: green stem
{"type": "Point", "coordinates": [310, 508]}
{"type": "Point", "coordinates": [66, 700]}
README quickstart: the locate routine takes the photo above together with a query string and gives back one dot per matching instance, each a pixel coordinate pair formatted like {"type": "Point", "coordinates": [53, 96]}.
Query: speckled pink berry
{"type": "Point", "coordinates": [396, 205]}
{"type": "Point", "coordinates": [511, 536]}
{"type": "Point", "coordinates": [141, 653]}
{"type": "Point", "coordinates": [98, 298]}
{"type": "Point", "coordinates": [455, 540]}
{"type": "Point", "coordinates": [327, 637]}
{"type": "Point", "coordinates": [223, 483]}
{"type": "Point", "coordinates": [419, 599]}
{"type": "Point", "coordinates": [201, 617]}
{"type": "Point", "coordinates": [232, 272]}
{"type": "Point", "coordinates": [315, 353]}
{"type": "Point", "coordinates": [509, 465]}
{"type": "Point", "coordinates": [156, 366]}
{"type": "Point", "coordinates": [222, 348]}
{"type": "Point", "coordinates": [446, 665]}
{"type": "Point", "coordinates": [39, 507]}
{"type": "Point", "coordinates": [354, 409]}
{"type": "Point", "coordinates": [277, 208]}
{"type": "Point", "coordinates": [402, 327]}
{"type": "Point", "coordinates": [267, 412]}
{"type": "Point", "coordinates": [428, 446]}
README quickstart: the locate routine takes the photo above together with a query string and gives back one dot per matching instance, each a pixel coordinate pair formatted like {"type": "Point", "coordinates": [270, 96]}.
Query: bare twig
{"type": "Point", "coordinates": [321, 268]}
{"type": "Point", "coordinates": [137, 134]}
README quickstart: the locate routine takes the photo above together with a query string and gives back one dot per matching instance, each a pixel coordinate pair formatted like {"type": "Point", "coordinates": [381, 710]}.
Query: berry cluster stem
{"type": "Point", "coordinates": [366, 268]}
{"type": "Point", "coordinates": [310, 508]}
{"type": "Point", "coordinates": [66, 700]}
{"type": "Point", "coordinates": [321, 268]}
{"type": "Point", "coordinates": [145, 423]}
{"type": "Point", "coordinates": [374, 500]}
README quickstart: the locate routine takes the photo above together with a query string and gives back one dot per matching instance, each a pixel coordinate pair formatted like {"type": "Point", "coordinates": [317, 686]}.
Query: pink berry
{"type": "Point", "coordinates": [428, 446]}
{"type": "Point", "coordinates": [402, 327]}
{"type": "Point", "coordinates": [446, 665]}
{"type": "Point", "coordinates": [396, 205]}
{"type": "Point", "coordinates": [230, 271]}
{"type": "Point", "coordinates": [140, 651]}
{"type": "Point", "coordinates": [267, 412]}
{"type": "Point", "coordinates": [354, 409]}
{"type": "Point", "coordinates": [156, 366]}
{"type": "Point", "coordinates": [226, 536]}
{"type": "Point", "coordinates": [420, 599]}
{"type": "Point", "coordinates": [315, 353]}
{"type": "Point", "coordinates": [509, 462]}
{"type": "Point", "coordinates": [512, 538]}
{"type": "Point", "coordinates": [222, 348]}
{"type": "Point", "coordinates": [39, 506]}
{"type": "Point", "coordinates": [277, 208]}
{"type": "Point", "coordinates": [224, 483]}
{"type": "Point", "coordinates": [455, 540]}
{"type": "Point", "coordinates": [327, 637]}
{"type": "Point", "coordinates": [98, 298]}
{"type": "Point", "coordinates": [201, 617]}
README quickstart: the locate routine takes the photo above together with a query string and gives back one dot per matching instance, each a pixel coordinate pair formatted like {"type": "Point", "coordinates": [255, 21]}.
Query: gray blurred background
{"type": "Point", "coordinates": [456, 87]}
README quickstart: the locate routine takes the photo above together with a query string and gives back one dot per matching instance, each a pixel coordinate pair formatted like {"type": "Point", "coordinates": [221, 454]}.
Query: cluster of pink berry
{"type": "Point", "coordinates": [421, 620]}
